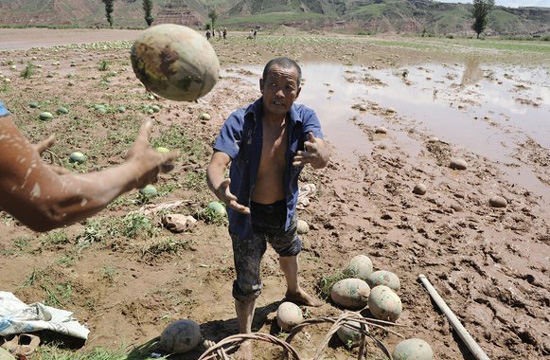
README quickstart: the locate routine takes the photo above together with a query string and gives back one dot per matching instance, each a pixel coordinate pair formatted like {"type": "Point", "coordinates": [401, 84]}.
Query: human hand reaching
{"type": "Point", "coordinates": [314, 153]}
{"type": "Point", "coordinates": [224, 194]}
{"type": "Point", "coordinates": [147, 161]}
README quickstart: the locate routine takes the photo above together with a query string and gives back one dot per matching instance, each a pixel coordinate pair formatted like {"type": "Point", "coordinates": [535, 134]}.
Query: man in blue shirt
{"type": "Point", "coordinates": [267, 144]}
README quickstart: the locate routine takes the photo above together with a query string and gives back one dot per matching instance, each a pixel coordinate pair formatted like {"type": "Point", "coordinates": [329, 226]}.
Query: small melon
{"type": "Point", "coordinates": [149, 190]}
{"type": "Point", "coordinates": [361, 266]}
{"type": "Point", "coordinates": [77, 157]}
{"type": "Point", "coordinates": [62, 110]}
{"type": "Point", "coordinates": [205, 116]}
{"type": "Point", "coordinates": [155, 108]}
{"type": "Point", "coordinates": [121, 109]}
{"type": "Point", "coordinates": [218, 208]}
{"type": "Point", "coordinates": [383, 277]}
{"type": "Point", "coordinates": [161, 149]}
{"type": "Point", "coordinates": [384, 304]}
{"type": "Point", "coordinates": [45, 116]}
{"type": "Point", "coordinates": [302, 227]}
{"type": "Point", "coordinates": [34, 105]}
{"type": "Point", "coordinates": [180, 337]}
{"type": "Point", "coordinates": [350, 293]}
{"type": "Point", "coordinates": [349, 337]}
{"type": "Point", "coordinates": [289, 315]}
{"type": "Point", "coordinates": [413, 349]}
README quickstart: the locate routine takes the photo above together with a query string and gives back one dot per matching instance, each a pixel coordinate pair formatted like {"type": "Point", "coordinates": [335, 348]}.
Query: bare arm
{"type": "Point", "coordinates": [315, 153]}
{"type": "Point", "coordinates": [41, 198]}
{"type": "Point", "coordinates": [219, 185]}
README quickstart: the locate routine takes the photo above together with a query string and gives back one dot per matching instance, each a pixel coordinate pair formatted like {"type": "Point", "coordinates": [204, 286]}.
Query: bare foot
{"type": "Point", "coordinates": [245, 351]}
{"type": "Point", "coordinates": [300, 297]}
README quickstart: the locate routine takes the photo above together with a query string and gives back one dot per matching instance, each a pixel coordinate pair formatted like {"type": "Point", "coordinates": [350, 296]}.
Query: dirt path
{"type": "Point", "coordinates": [489, 264]}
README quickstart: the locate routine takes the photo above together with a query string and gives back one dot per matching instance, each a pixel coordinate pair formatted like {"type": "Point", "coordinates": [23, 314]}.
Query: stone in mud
{"type": "Point", "coordinates": [380, 130]}
{"type": "Point", "coordinates": [419, 189]}
{"type": "Point", "coordinates": [175, 62]}
{"type": "Point", "coordinates": [498, 202]}
{"type": "Point", "coordinates": [458, 164]}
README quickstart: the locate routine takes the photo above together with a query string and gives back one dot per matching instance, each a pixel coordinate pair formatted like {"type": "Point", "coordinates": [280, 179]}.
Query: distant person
{"type": "Point", "coordinates": [255, 33]}
{"type": "Point", "coordinates": [267, 144]}
{"type": "Point", "coordinates": [44, 197]}
{"type": "Point", "coordinates": [224, 33]}
{"type": "Point", "coordinates": [208, 35]}
{"type": "Point", "coordinates": [219, 34]}
{"type": "Point", "coordinates": [251, 34]}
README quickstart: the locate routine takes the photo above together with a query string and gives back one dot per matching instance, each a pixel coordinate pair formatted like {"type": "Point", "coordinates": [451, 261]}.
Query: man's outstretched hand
{"type": "Point", "coordinates": [314, 153]}
{"type": "Point", "coordinates": [224, 194]}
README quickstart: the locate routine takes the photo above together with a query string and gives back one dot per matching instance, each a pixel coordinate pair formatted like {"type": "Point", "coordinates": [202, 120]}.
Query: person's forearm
{"type": "Point", "coordinates": [215, 176]}
{"type": "Point", "coordinates": [62, 200]}
{"type": "Point", "coordinates": [91, 192]}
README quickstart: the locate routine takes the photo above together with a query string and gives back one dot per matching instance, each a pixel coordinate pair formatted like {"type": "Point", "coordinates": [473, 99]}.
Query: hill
{"type": "Point", "coordinates": [401, 16]}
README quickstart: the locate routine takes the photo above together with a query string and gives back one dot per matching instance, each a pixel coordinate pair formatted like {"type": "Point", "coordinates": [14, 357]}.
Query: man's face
{"type": "Point", "coordinates": [280, 89]}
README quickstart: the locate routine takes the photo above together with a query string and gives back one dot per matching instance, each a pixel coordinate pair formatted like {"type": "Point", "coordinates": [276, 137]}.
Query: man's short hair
{"type": "Point", "coordinates": [284, 63]}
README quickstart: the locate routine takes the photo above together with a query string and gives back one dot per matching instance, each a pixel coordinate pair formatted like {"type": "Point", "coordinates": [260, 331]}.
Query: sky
{"type": "Point", "coordinates": [509, 3]}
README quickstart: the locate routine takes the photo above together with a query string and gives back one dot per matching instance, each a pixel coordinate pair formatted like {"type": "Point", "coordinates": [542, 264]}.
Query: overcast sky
{"type": "Point", "coordinates": [510, 3]}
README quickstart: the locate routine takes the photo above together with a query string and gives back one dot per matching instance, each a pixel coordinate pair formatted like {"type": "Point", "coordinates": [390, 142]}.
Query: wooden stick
{"type": "Point", "coordinates": [461, 331]}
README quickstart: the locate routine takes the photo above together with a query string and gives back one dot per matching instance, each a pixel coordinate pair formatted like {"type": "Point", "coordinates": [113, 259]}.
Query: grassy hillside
{"type": "Point", "coordinates": [410, 16]}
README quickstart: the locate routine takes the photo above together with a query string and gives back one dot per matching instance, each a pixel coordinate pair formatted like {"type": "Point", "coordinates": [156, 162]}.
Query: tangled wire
{"type": "Point", "coordinates": [347, 319]}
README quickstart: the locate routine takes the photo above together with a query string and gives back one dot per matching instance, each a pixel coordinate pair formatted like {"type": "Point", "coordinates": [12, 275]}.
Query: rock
{"type": "Point", "coordinates": [458, 164]}
{"type": "Point", "coordinates": [419, 189]}
{"type": "Point", "coordinates": [498, 201]}
{"type": "Point", "coordinates": [205, 116]}
{"type": "Point", "coordinates": [362, 107]}
{"type": "Point", "coordinates": [380, 130]}
{"type": "Point", "coordinates": [178, 223]}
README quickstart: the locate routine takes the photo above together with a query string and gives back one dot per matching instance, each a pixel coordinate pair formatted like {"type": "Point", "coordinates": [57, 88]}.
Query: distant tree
{"type": "Point", "coordinates": [109, 5]}
{"type": "Point", "coordinates": [147, 8]}
{"type": "Point", "coordinates": [213, 15]}
{"type": "Point", "coordinates": [481, 11]}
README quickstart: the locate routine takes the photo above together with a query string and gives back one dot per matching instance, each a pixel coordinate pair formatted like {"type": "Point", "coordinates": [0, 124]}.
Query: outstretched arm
{"type": "Point", "coordinates": [220, 185]}
{"type": "Point", "coordinates": [41, 198]}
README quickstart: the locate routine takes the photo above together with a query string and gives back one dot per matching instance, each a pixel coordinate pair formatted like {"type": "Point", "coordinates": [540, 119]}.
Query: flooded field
{"type": "Point", "coordinates": [396, 111]}
{"type": "Point", "coordinates": [490, 109]}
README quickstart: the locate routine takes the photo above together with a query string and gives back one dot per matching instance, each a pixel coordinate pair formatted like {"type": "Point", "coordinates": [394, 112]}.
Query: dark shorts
{"type": "Point", "coordinates": [268, 226]}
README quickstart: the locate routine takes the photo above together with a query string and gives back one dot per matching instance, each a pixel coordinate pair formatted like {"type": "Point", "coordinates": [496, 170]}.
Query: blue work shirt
{"type": "Point", "coordinates": [241, 138]}
{"type": "Point", "coordinates": [3, 110]}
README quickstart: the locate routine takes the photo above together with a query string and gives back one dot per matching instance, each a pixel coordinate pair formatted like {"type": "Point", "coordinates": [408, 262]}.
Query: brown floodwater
{"type": "Point", "coordinates": [487, 109]}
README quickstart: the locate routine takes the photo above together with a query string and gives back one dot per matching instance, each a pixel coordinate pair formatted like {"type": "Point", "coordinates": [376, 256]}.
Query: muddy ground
{"type": "Point", "coordinates": [127, 278]}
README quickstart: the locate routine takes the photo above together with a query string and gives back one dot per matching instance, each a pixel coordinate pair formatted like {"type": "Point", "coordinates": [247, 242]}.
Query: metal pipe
{"type": "Point", "coordinates": [472, 345]}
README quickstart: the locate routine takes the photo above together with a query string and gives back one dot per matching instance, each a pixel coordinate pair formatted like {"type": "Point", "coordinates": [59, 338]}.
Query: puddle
{"type": "Point", "coordinates": [488, 110]}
